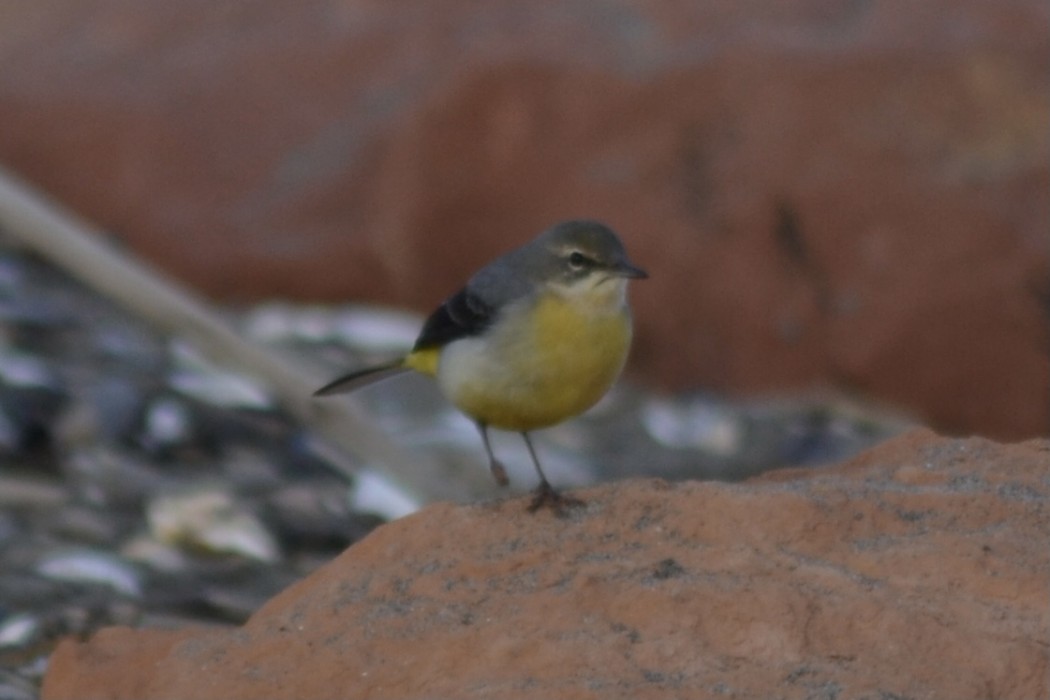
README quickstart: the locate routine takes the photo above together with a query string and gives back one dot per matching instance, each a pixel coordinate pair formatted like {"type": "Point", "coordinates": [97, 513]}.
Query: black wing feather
{"type": "Point", "coordinates": [462, 315]}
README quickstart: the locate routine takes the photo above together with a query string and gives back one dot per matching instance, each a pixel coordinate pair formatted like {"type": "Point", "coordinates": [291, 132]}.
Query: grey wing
{"type": "Point", "coordinates": [474, 308]}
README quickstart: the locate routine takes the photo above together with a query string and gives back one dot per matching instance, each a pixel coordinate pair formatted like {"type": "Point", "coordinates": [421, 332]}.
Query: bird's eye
{"type": "Point", "coordinates": [578, 260]}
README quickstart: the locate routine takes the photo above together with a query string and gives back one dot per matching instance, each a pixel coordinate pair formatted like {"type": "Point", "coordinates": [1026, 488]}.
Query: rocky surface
{"type": "Point", "coordinates": [139, 483]}
{"type": "Point", "coordinates": [917, 570]}
{"type": "Point", "coordinates": [850, 196]}
{"type": "Point", "coordinates": [142, 484]}
{"type": "Point", "coordinates": [858, 190]}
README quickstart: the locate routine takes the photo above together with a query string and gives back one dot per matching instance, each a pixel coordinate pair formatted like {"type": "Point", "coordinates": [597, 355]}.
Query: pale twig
{"type": "Point", "coordinates": [38, 223]}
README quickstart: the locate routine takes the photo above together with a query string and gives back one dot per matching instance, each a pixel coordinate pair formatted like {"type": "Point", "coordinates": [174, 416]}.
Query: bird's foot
{"type": "Point", "coordinates": [499, 472]}
{"type": "Point", "coordinates": [546, 497]}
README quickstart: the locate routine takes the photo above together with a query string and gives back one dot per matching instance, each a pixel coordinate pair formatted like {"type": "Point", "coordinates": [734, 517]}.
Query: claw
{"type": "Point", "coordinates": [546, 497]}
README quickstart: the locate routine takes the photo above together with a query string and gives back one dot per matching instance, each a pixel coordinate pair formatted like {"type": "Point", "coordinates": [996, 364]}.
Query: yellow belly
{"type": "Point", "coordinates": [557, 362]}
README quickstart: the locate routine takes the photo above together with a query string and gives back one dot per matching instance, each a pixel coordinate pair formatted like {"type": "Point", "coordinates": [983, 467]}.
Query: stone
{"type": "Point", "coordinates": [847, 194]}
{"type": "Point", "coordinates": [918, 569]}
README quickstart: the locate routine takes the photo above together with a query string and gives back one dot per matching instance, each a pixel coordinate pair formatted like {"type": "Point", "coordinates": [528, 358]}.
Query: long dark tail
{"type": "Point", "coordinates": [360, 378]}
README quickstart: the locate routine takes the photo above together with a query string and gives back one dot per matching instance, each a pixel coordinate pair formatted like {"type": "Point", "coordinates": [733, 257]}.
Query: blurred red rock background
{"type": "Point", "coordinates": [845, 194]}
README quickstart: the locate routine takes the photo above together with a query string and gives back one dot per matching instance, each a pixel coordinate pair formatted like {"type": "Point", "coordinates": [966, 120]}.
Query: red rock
{"type": "Point", "coordinates": [919, 569]}
{"type": "Point", "coordinates": [364, 150]}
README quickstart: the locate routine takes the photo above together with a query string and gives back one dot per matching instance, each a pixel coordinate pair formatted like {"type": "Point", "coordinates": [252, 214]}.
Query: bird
{"type": "Point", "coordinates": [535, 337]}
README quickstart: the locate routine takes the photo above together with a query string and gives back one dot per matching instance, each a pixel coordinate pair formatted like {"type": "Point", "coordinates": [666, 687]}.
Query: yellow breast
{"type": "Point", "coordinates": [544, 362]}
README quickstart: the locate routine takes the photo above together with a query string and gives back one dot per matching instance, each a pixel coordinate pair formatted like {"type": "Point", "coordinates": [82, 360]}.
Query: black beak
{"type": "Point", "coordinates": [626, 269]}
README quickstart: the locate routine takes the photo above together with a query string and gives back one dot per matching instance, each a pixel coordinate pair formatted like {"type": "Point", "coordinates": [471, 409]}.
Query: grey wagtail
{"type": "Point", "coordinates": [535, 337]}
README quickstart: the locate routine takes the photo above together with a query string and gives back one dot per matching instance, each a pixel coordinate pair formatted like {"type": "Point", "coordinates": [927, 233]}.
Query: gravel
{"type": "Point", "coordinates": [143, 484]}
